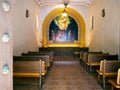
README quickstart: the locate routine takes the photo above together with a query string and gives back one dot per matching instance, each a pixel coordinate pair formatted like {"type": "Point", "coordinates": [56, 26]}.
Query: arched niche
{"type": "Point", "coordinates": [81, 29]}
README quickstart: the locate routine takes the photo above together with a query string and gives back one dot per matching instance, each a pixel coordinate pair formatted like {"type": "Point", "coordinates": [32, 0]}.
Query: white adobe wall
{"type": "Point", "coordinates": [25, 34]}
{"type": "Point", "coordinates": [105, 36]}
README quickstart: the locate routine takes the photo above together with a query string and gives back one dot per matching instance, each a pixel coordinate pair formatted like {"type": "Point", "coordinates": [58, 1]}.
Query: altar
{"type": "Point", "coordinates": [64, 51]}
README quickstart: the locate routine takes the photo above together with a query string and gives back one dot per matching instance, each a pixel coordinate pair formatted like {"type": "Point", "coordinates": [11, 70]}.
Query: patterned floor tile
{"type": "Point", "coordinates": [69, 75]}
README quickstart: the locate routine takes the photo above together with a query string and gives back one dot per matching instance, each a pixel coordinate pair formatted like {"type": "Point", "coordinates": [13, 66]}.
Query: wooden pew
{"type": "Point", "coordinates": [51, 53]}
{"type": "Point", "coordinates": [45, 51]}
{"type": "Point", "coordinates": [31, 58]}
{"type": "Point", "coordinates": [81, 55]}
{"type": "Point", "coordinates": [94, 60]}
{"type": "Point", "coordinates": [40, 55]}
{"type": "Point", "coordinates": [107, 69]}
{"type": "Point", "coordinates": [28, 69]}
{"type": "Point", "coordinates": [76, 54]}
{"type": "Point", "coordinates": [85, 57]}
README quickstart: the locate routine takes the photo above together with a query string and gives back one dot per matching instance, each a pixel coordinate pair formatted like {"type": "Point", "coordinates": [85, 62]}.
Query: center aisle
{"type": "Point", "coordinates": [69, 75]}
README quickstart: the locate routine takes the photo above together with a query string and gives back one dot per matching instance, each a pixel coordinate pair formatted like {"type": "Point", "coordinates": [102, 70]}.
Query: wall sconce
{"type": "Point", "coordinates": [103, 13]}
{"type": "Point", "coordinates": [6, 6]}
{"type": "Point", "coordinates": [5, 37]}
{"type": "Point", "coordinates": [5, 69]}
{"type": "Point", "coordinates": [27, 13]}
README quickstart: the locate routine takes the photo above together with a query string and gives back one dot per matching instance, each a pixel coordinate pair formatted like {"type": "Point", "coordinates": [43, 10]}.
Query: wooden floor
{"type": "Point", "coordinates": [65, 74]}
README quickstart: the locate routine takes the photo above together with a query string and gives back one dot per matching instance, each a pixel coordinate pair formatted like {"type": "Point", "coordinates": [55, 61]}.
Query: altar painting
{"type": "Point", "coordinates": [63, 29]}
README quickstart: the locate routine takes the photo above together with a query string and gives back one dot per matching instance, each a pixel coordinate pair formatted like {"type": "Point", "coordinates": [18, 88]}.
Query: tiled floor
{"type": "Point", "coordinates": [69, 75]}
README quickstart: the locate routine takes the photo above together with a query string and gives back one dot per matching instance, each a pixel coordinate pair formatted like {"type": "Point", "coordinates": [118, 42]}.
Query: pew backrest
{"type": "Point", "coordinates": [29, 68]}
{"type": "Point", "coordinates": [51, 53]}
{"type": "Point", "coordinates": [85, 55]}
{"type": "Point", "coordinates": [37, 66]}
{"type": "Point", "coordinates": [33, 57]}
{"type": "Point", "coordinates": [99, 57]}
{"type": "Point", "coordinates": [38, 54]}
{"type": "Point", "coordinates": [109, 66]}
{"type": "Point", "coordinates": [81, 54]}
{"type": "Point", "coordinates": [26, 65]}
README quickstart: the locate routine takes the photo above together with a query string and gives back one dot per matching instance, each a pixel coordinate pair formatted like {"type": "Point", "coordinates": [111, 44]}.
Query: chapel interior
{"type": "Point", "coordinates": [59, 33]}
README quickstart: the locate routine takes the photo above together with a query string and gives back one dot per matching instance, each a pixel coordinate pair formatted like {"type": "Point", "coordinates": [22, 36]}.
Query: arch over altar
{"type": "Point", "coordinates": [61, 31]}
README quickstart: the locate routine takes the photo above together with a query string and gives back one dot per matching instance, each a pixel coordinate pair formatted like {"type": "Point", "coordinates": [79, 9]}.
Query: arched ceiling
{"type": "Point", "coordinates": [71, 2]}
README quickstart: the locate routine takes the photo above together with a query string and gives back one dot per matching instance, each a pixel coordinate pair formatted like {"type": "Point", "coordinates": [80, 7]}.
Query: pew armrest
{"type": "Point", "coordinates": [106, 74]}
{"type": "Point", "coordinates": [93, 63]}
{"type": "Point", "coordinates": [99, 72]}
{"type": "Point", "coordinates": [114, 83]}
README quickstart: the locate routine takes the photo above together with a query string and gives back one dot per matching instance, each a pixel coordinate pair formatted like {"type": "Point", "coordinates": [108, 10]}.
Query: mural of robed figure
{"type": "Point", "coordinates": [63, 29]}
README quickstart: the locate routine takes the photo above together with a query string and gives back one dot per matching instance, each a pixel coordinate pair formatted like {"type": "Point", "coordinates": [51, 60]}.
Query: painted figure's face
{"type": "Point", "coordinates": [63, 23]}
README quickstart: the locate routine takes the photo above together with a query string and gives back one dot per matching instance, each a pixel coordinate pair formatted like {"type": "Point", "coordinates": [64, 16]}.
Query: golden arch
{"type": "Point", "coordinates": [81, 29]}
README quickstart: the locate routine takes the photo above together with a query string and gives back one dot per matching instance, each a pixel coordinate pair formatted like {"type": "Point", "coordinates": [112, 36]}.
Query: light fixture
{"type": "Point", "coordinates": [5, 37]}
{"type": "Point", "coordinates": [5, 69]}
{"type": "Point", "coordinates": [27, 13]}
{"type": "Point", "coordinates": [103, 13]}
{"type": "Point", "coordinates": [6, 6]}
{"type": "Point", "coordinates": [64, 13]}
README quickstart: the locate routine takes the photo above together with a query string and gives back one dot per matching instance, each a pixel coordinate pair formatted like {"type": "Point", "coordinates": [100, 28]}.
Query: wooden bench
{"type": "Point", "coordinates": [32, 68]}
{"type": "Point", "coordinates": [76, 54]}
{"type": "Point", "coordinates": [81, 54]}
{"type": "Point", "coordinates": [94, 60]}
{"type": "Point", "coordinates": [51, 53]}
{"type": "Point", "coordinates": [38, 53]}
{"type": "Point", "coordinates": [107, 69]}
{"type": "Point", "coordinates": [31, 58]}
{"type": "Point", "coordinates": [45, 51]}
{"type": "Point", "coordinates": [45, 58]}
{"type": "Point", "coordinates": [85, 57]}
